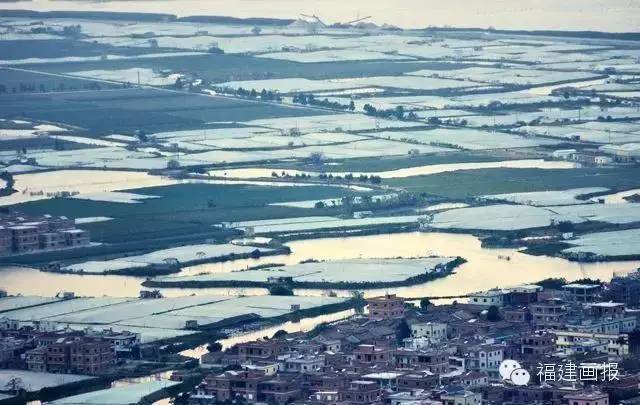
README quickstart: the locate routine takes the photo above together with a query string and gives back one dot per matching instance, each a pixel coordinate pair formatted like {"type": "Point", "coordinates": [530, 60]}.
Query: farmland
{"type": "Point", "coordinates": [168, 139]}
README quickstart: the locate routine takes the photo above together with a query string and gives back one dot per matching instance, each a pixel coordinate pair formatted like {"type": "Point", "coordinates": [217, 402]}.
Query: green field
{"type": "Point", "coordinates": [379, 164]}
{"type": "Point", "coordinates": [183, 210]}
{"type": "Point", "coordinates": [471, 183]}
{"type": "Point", "coordinates": [104, 112]}
{"type": "Point", "coordinates": [12, 79]}
{"type": "Point", "coordinates": [221, 68]}
{"type": "Point", "coordinates": [60, 48]}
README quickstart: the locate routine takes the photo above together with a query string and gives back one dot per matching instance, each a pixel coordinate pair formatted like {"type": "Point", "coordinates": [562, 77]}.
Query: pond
{"type": "Point", "coordinates": [485, 268]}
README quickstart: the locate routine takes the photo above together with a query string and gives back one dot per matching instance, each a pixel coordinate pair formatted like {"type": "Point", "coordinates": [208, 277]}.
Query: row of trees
{"type": "Point", "coordinates": [33, 88]}
{"type": "Point", "coordinates": [350, 177]}
{"type": "Point", "coordinates": [264, 95]}
{"type": "Point", "coordinates": [397, 113]}
{"type": "Point", "coordinates": [309, 99]}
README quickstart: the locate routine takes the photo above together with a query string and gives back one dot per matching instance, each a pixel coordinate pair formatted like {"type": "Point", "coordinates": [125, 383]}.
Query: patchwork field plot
{"type": "Point", "coordinates": [317, 223]}
{"type": "Point", "coordinates": [465, 138]}
{"type": "Point", "coordinates": [511, 217]}
{"type": "Point", "coordinates": [183, 254]}
{"type": "Point", "coordinates": [165, 318]}
{"type": "Point", "coordinates": [340, 271]}
{"type": "Point", "coordinates": [607, 244]}
{"type": "Point", "coordinates": [548, 198]}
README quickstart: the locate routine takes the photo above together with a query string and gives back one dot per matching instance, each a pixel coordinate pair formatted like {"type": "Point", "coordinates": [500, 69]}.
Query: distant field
{"type": "Point", "coordinates": [126, 110]}
{"type": "Point", "coordinates": [183, 209]}
{"type": "Point", "coordinates": [222, 68]}
{"type": "Point", "coordinates": [465, 184]}
{"type": "Point", "coordinates": [59, 48]}
{"type": "Point", "coordinates": [12, 79]}
{"type": "Point", "coordinates": [378, 164]}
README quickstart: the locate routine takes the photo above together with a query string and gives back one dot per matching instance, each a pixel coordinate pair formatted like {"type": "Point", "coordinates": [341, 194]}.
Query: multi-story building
{"type": "Point", "coordinates": [91, 356]}
{"type": "Point", "coordinates": [6, 242]}
{"type": "Point", "coordinates": [623, 324]}
{"type": "Point", "coordinates": [371, 355]}
{"type": "Point", "coordinates": [485, 358]}
{"type": "Point", "coordinates": [24, 238]}
{"type": "Point", "coordinates": [278, 391]}
{"type": "Point", "coordinates": [51, 240]}
{"type": "Point", "coordinates": [434, 361]}
{"type": "Point", "coordinates": [58, 355]}
{"type": "Point", "coordinates": [76, 237]}
{"type": "Point", "coordinates": [304, 364]}
{"type": "Point", "coordinates": [37, 359]}
{"type": "Point", "coordinates": [607, 309]}
{"type": "Point", "coordinates": [583, 292]}
{"type": "Point", "coordinates": [21, 234]}
{"type": "Point", "coordinates": [418, 380]}
{"type": "Point", "coordinates": [433, 331]}
{"type": "Point", "coordinates": [231, 384]}
{"type": "Point", "coordinates": [537, 344]}
{"type": "Point", "coordinates": [262, 350]}
{"type": "Point", "coordinates": [580, 342]}
{"type": "Point", "coordinates": [625, 288]}
{"type": "Point", "coordinates": [474, 379]}
{"type": "Point", "coordinates": [388, 306]}
{"type": "Point", "coordinates": [71, 354]}
{"type": "Point", "coordinates": [360, 392]}
{"type": "Point", "coordinates": [487, 298]}
{"type": "Point", "coordinates": [549, 314]}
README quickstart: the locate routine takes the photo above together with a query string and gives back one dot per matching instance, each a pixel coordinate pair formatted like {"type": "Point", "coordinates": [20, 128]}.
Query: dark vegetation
{"type": "Point", "coordinates": [464, 184]}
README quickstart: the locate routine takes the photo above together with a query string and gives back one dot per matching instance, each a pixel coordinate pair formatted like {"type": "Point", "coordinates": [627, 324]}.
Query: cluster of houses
{"type": "Point", "coordinates": [41, 348]}
{"type": "Point", "coordinates": [22, 234]}
{"type": "Point", "coordinates": [608, 154]}
{"type": "Point", "coordinates": [401, 354]}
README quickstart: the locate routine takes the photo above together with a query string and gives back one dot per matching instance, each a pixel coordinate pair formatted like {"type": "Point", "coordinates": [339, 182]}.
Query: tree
{"type": "Point", "coordinates": [493, 314]}
{"type": "Point", "coordinates": [214, 347]}
{"type": "Point", "coordinates": [281, 290]}
{"type": "Point", "coordinates": [173, 164]}
{"type": "Point", "coordinates": [399, 112]}
{"type": "Point", "coordinates": [255, 254]}
{"type": "Point", "coordinates": [352, 106]}
{"type": "Point", "coordinates": [319, 205]}
{"type": "Point", "coordinates": [14, 384]}
{"type": "Point", "coordinates": [280, 333]}
{"type": "Point", "coordinates": [369, 109]}
{"type": "Point", "coordinates": [403, 331]}
{"type": "Point", "coordinates": [316, 158]}
{"type": "Point", "coordinates": [565, 226]}
{"type": "Point", "coordinates": [552, 283]}
{"type": "Point", "coordinates": [424, 304]}
{"type": "Point", "coordinates": [256, 30]}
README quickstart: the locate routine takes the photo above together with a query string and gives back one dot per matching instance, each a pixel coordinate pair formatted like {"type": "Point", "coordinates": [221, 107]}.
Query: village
{"type": "Point", "coordinates": [309, 204]}
{"type": "Point", "coordinates": [575, 342]}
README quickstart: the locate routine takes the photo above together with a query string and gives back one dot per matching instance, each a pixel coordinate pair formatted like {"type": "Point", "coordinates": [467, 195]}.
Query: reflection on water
{"type": "Point", "coordinates": [484, 268]}
{"type": "Point", "coordinates": [304, 325]}
{"type": "Point", "coordinates": [256, 172]}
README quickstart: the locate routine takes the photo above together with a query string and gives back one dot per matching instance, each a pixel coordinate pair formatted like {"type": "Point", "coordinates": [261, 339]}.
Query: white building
{"type": "Point", "coordinates": [487, 298]}
{"type": "Point", "coordinates": [576, 342]}
{"type": "Point", "coordinates": [433, 331]}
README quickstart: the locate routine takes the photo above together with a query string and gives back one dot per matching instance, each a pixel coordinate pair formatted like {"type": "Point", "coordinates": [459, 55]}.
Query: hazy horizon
{"type": "Point", "coordinates": [596, 15]}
